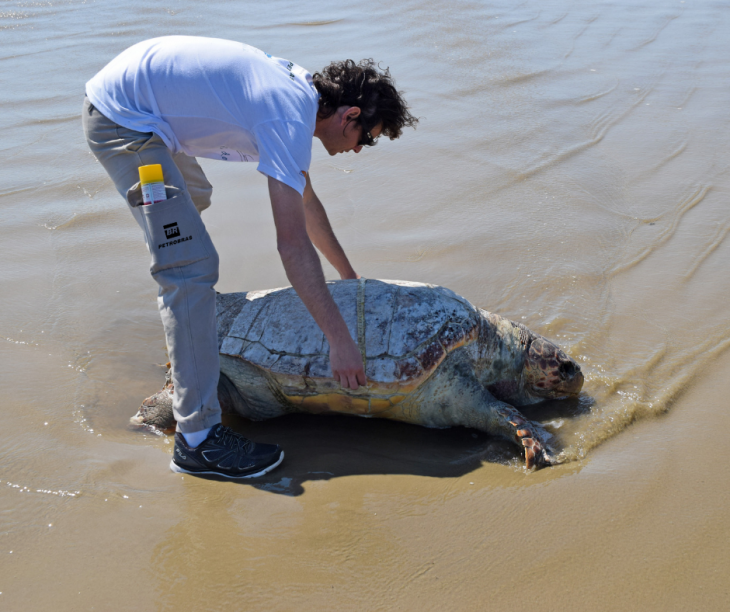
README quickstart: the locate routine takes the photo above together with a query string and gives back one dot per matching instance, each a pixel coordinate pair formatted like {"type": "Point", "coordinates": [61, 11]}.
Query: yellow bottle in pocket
{"type": "Point", "coordinates": [152, 183]}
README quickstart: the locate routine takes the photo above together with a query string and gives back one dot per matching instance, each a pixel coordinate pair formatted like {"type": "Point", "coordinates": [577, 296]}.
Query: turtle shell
{"type": "Point", "coordinates": [404, 329]}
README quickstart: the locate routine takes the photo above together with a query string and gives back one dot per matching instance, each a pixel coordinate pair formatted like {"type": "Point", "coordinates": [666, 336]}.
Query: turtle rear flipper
{"type": "Point", "coordinates": [156, 410]}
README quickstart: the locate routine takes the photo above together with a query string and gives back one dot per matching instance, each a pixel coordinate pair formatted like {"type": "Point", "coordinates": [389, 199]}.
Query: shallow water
{"type": "Point", "coordinates": [570, 171]}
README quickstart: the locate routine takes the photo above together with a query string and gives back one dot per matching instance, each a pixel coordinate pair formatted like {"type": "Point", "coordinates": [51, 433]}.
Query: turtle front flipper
{"type": "Point", "coordinates": [529, 435]}
{"type": "Point", "coordinates": [156, 410]}
{"type": "Point", "coordinates": [454, 397]}
{"type": "Point", "coordinates": [498, 418]}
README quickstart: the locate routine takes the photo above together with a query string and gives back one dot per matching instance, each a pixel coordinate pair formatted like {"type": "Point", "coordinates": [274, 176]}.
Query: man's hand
{"type": "Point", "coordinates": [304, 271]}
{"type": "Point", "coordinates": [346, 364]}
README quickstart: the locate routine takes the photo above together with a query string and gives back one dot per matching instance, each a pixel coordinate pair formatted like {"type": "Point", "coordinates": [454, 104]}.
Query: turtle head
{"type": "Point", "coordinates": [548, 372]}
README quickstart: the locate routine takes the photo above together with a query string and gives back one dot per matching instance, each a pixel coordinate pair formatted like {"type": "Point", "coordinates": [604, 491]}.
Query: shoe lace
{"type": "Point", "coordinates": [234, 440]}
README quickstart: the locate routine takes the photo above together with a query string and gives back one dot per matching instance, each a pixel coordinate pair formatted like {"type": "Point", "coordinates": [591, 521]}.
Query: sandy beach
{"type": "Point", "coordinates": [570, 171]}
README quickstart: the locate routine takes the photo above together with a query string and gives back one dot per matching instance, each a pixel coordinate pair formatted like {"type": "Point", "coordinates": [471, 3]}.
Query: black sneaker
{"type": "Point", "coordinates": [225, 453]}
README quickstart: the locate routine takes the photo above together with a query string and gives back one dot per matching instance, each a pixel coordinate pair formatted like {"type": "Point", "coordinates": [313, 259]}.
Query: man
{"type": "Point", "coordinates": [168, 100]}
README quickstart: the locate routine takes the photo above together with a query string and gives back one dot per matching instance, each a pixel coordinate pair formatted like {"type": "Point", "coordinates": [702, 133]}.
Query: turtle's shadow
{"type": "Point", "coordinates": [325, 447]}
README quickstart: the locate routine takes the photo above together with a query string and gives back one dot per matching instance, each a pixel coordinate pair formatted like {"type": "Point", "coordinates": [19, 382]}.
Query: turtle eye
{"type": "Point", "coordinates": [566, 369]}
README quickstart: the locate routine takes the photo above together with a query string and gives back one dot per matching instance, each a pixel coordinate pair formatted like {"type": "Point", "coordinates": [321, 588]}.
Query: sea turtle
{"type": "Point", "coordinates": [430, 357]}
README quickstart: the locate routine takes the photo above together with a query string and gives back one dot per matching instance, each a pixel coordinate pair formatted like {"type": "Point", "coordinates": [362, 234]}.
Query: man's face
{"type": "Point", "coordinates": [345, 133]}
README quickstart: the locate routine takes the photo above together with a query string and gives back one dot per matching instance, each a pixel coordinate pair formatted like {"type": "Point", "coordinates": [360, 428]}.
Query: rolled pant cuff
{"type": "Point", "coordinates": [198, 422]}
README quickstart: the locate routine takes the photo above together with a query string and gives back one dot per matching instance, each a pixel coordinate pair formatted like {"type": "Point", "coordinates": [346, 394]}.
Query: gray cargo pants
{"type": "Point", "coordinates": [184, 260]}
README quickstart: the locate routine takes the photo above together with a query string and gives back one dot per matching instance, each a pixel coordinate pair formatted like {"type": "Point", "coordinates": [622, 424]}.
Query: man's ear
{"type": "Point", "coordinates": [351, 114]}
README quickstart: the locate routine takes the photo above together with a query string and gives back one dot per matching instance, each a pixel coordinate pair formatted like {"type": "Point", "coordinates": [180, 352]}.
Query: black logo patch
{"type": "Point", "coordinates": [171, 230]}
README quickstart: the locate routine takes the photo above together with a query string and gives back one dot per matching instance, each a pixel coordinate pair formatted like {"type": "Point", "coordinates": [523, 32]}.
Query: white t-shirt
{"type": "Point", "coordinates": [214, 98]}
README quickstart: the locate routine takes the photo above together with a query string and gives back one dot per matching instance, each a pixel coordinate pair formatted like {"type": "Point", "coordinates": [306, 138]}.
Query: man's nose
{"type": "Point", "coordinates": [358, 148]}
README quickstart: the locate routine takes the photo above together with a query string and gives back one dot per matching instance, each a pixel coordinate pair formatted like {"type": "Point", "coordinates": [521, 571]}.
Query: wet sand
{"type": "Point", "coordinates": [570, 172]}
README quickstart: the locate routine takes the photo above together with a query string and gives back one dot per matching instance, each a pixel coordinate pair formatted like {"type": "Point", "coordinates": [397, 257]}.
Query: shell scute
{"type": "Point", "coordinates": [288, 326]}
{"type": "Point", "coordinates": [251, 313]}
{"type": "Point", "coordinates": [228, 301]}
{"type": "Point", "coordinates": [344, 293]}
{"type": "Point", "coordinates": [431, 355]}
{"type": "Point", "coordinates": [454, 296]}
{"type": "Point", "coordinates": [318, 366]}
{"type": "Point", "coordinates": [378, 405]}
{"type": "Point", "coordinates": [421, 311]}
{"type": "Point", "coordinates": [452, 336]}
{"type": "Point", "coordinates": [379, 303]}
{"type": "Point", "coordinates": [408, 368]}
{"type": "Point", "coordinates": [382, 369]}
{"type": "Point", "coordinates": [417, 315]}
{"type": "Point", "coordinates": [260, 355]}
{"type": "Point", "coordinates": [227, 308]}
{"type": "Point", "coordinates": [246, 314]}
{"type": "Point", "coordinates": [331, 402]}
{"type": "Point", "coordinates": [462, 309]}
{"type": "Point", "coordinates": [231, 346]}
{"type": "Point", "coordinates": [294, 365]}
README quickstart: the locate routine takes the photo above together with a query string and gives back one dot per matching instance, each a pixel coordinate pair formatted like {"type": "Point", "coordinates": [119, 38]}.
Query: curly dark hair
{"type": "Point", "coordinates": [370, 89]}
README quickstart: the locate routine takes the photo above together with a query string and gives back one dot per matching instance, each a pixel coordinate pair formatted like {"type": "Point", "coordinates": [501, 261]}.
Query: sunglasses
{"type": "Point", "coordinates": [366, 140]}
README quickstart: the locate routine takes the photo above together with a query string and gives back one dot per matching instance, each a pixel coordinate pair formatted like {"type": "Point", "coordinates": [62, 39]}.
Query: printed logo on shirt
{"type": "Point", "coordinates": [303, 173]}
{"type": "Point", "coordinates": [227, 155]}
{"type": "Point", "coordinates": [289, 66]}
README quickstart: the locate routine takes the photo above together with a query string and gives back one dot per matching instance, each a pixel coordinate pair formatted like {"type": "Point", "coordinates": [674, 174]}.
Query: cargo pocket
{"type": "Point", "coordinates": [175, 233]}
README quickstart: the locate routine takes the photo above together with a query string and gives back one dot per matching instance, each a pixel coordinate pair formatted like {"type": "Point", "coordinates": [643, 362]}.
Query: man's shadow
{"type": "Point", "coordinates": [330, 446]}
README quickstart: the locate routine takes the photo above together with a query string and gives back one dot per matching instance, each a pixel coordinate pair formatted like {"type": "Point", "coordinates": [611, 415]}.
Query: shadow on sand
{"type": "Point", "coordinates": [330, 446]}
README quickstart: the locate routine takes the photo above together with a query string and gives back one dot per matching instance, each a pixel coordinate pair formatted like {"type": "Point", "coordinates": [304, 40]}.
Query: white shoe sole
{"type": "Point", "coordinates": [176, 468]}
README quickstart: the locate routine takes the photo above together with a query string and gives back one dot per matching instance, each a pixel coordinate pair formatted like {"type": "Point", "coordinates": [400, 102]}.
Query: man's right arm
{"type": "Point", "coordinates": [304, 271]}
